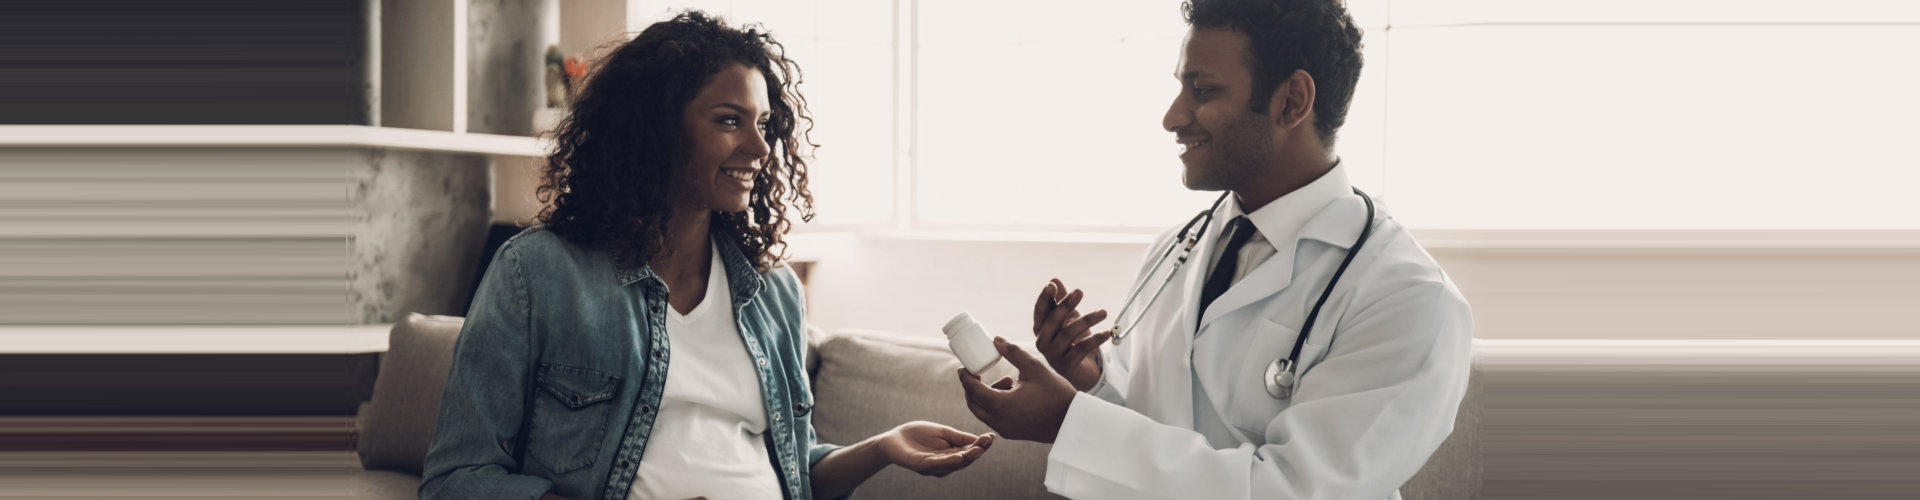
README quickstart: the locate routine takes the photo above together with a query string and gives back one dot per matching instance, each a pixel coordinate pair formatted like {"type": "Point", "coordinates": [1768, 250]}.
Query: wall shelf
{"type": "Point", "coordinates": [269, 136]}
{"type": "Point", "coordinates": [195, 339]}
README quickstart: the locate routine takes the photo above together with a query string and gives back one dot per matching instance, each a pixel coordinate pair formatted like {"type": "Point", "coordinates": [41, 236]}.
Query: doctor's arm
{"type": "Point", "coordinates": [1361, 423]}
{"type": "Point", "coordinates": [1111, 368]}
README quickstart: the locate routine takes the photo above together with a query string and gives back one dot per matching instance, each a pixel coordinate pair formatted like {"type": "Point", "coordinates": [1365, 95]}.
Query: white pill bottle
{"type": "Point", "coordinates": [971, 343]}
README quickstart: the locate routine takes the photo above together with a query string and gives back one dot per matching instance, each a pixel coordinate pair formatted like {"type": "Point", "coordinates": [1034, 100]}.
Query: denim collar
{"type": "Point", "coordinates": [742, 278]}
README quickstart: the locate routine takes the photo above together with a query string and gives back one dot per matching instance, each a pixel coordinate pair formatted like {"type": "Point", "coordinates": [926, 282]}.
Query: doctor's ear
{"type": "Point", "coordinates": [1292, 101]}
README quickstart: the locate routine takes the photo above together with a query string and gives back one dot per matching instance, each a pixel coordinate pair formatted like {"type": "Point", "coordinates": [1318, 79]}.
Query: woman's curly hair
{"type": "Point", "coordinates": [621, 153]}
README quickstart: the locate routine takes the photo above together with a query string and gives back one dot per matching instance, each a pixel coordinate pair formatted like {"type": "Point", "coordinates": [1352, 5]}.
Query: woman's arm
{"type": "Point", "coordinates": [482, 405]}
{"type": "Point", "coordinates": [836, 474]}
{"type": "Point", "coordinates": [924, 447]}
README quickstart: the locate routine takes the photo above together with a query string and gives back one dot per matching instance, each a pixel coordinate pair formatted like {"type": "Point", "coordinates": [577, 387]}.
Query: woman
{"type": "Point", "coordinates": [645, 342]}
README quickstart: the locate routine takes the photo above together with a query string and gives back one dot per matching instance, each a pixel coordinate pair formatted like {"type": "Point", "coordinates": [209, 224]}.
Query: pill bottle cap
{"type": "Point", "coordinates": [957, 323]}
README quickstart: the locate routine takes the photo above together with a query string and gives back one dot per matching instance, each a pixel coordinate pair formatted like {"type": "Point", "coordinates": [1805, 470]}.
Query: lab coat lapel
{"type": "Point", "coordinates": [1158, 384]}
{"type": "Point", "coordinates": [1162, 384]}
{"type": "Point", "coordinates": [1165, 376]}
{"type": "Point", "coordinates": [1268, 279]}
{"type": "Point", "coordinates": [1337, 224]}
{"type": "Point", "coordinates": [1220, 342]}
{"type": "Point", "coordinates": [1197, 268]}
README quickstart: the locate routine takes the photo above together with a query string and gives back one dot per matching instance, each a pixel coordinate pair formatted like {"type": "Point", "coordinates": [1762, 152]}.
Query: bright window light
{"type": "Point", "coordinates": [1039, 121]}
{"type": "Point", "coordinates": [1654, 127]}
{"type": "Point", "coordinates": [1470, 114]}
{"type": "Point", "coordinates": [845, 49]}
{"type": "Point", "coordinates": [1414, 13]}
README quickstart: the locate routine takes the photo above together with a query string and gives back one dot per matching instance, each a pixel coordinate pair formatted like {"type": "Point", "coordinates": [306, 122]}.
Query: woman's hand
{"type": "Point", "coordinates": [932, 449]}
{"type": "Point", "coordinates": [924, 447]}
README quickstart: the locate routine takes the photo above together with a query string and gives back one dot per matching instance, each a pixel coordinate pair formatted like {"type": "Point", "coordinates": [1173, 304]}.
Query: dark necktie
{"type": "Point", "coordinates": [1240, 230]}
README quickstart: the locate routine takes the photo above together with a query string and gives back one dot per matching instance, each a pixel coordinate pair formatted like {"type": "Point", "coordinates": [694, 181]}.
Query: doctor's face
{"type": "Point", "coordinates": [1225, 143]}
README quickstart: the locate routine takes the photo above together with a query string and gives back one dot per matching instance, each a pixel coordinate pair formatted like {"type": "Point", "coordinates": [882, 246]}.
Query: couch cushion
{"type": "Point", "coordinates": [869, 382]}
{"type": "Point", "coordinates": [1455, 469]}
{"type": "Point", "coordinates": [383, 485]}
{"type": "Point", "coordinates": [397, 425]}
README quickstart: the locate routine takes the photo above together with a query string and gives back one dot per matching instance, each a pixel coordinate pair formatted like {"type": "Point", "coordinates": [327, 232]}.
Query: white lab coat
{"type": "Point", "coordinates": [1382, 375]}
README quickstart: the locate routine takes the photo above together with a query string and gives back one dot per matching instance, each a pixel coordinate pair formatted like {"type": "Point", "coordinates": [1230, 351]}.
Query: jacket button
{"type": "Point", "coordinates": [800, 409]}
{"type": "Point", "coordinates": [623, 464]}
{"type": "Point", "coordinates": [659, 354]}
{"type": "Point", "coordinates": [646, 408]}
{"type": "Point", "coordinates": [576, 400]}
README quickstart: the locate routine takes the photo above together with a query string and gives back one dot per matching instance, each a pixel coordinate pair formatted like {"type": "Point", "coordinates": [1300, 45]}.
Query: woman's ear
{"type": "Point", "coordinates": [1292, 101]}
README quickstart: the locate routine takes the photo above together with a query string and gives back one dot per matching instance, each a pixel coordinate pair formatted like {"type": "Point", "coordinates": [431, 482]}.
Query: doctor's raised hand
{"type": "Point", "coordinates": [1029, 408]}
{"type": "Point", "coordinates": [1065, 337]}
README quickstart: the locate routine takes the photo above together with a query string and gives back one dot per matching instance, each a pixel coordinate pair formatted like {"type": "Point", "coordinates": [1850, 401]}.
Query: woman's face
{"type": "Point", "coordinates": [724, 125]}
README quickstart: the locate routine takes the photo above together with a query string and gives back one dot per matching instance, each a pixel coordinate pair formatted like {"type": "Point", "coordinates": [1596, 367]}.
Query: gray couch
{"type": "Point", "coordinates": [864, 383]}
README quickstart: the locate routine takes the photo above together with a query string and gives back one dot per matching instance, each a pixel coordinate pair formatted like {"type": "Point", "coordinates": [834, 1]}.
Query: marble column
{"type": "Point", "coordinates": [420, 221]}
{"type": "Point", "coordinates": [506, 63]}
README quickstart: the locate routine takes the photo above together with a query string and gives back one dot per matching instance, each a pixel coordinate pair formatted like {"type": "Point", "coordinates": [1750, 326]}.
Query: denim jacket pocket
{"type": "Point", "coordinates": [569, 416]}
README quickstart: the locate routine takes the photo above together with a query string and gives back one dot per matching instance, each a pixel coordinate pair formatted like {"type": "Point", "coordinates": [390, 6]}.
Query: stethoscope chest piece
{"type": "Point", "coordinates": [1280, 378]}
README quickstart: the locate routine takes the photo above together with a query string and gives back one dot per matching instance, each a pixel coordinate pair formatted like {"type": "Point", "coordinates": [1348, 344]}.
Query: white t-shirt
{"type": "Point", "coordinates": [708, 438]}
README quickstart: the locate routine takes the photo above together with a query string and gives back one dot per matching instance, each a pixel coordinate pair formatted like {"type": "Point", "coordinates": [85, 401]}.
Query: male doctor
{"type": "Point", "coordinates": [1191, 403]}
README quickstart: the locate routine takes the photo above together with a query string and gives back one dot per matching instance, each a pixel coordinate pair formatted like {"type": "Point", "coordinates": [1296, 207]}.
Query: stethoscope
{"type": "Point", "coordinates": [1281, 373]}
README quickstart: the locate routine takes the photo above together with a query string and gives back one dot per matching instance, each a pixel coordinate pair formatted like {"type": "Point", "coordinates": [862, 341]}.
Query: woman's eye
{"type": "Point", "coordinates": [731, 121]}
{"type": "Point", "coordinates": [1201, 92]}
{"type": "Point", "coordinates": [763, 126]}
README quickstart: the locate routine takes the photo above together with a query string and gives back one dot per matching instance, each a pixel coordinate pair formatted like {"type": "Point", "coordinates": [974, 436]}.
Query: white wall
{"type": "Point", "coordinates": [914, 285]}
{"type": "Point", "coordinates": [1702, 154]}
{"type": "Point", "coordinates": [1689, 294]}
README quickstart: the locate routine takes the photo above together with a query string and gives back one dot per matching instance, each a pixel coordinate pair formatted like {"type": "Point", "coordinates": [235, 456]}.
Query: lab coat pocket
{"type": "Point", "coordinates": [1310, 355]}
{"type": "Point", "coordinates": [570, 415]}
{"type": "Point", "coordinates": [1252, 407]}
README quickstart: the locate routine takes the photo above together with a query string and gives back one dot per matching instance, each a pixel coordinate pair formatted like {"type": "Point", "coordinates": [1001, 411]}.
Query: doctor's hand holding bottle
{"type": "Point", "coordinates": [1033, 406]}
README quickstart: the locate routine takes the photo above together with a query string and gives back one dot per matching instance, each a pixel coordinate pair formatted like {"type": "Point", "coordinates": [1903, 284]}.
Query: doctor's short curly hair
{"type": "Point", "coordinates": [621, 153]}
{"type": "Point", "coordinates": [1317, 36]}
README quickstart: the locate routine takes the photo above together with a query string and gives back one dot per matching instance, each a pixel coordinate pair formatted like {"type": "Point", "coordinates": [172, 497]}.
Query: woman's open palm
{"type": "Point", "coordinates": [933, 449]}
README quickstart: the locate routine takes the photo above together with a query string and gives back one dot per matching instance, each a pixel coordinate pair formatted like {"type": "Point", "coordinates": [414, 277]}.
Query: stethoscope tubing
{"type": "Point", "coordinates": [1281, 374]}
{"type": "Point", "coordinates": [1187, 242]}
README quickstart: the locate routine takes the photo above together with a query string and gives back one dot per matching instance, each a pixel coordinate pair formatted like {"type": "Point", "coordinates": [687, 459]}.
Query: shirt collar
{"type": "Point", "coordinates": [1286, 219]}
{"type": "Point", "coordinates": [742, 278]}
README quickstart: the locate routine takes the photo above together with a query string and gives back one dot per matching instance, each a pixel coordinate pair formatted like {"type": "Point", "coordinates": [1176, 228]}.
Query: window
{"type": "Point", "coordinates": [1009, 115]}
{"type": "Point", "coordinates": [845, 49]}
{"type": "Point", "coordinates": [1033, 116]}
{"type": "Point", "coordinates": [1701, 114]}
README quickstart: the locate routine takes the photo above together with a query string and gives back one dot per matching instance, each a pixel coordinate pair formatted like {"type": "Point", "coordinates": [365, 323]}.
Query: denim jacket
{"type": "Point", "coordinates": [559, 369]}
